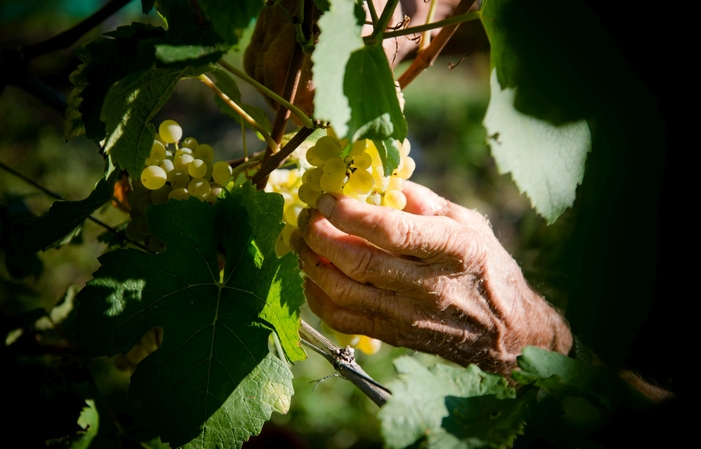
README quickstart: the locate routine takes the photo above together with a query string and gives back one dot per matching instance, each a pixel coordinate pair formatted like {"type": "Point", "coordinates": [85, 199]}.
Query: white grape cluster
{"type": "Point", "coordinates": [359, 175]}
{"type": "Point", "coordinates": [286, 182]}
{"type": "Point", "coordinates": [174, 170]}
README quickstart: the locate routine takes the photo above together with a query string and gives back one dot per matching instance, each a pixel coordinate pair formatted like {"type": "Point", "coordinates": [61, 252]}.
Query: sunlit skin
{"type": "Point", "coordinates": [432, 278]}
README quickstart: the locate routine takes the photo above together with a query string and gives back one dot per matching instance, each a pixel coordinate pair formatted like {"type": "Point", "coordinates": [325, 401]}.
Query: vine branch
{"type": "Point", "coordinates": [277, 159]}
{"type": "Point", "coordinates": [68, 37]}
{"type": "Point", "coordinates": [343, 361]}
{"type": "Point", "coordinates": [306, 121]}
{"type": "Point", "coordinates": [56, 196]}
{"type": "Point", "coordinates": [239, 110]}
{"type": "Point", "coordinates": [426, 58]}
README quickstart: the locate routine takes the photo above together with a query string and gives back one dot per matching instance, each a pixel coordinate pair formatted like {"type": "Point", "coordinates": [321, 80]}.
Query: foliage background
{"type": "Point", "coordinates": [448, 143]}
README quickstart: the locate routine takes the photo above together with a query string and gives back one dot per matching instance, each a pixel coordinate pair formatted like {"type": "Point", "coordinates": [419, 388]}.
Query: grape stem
{"type": "Point", "coordinates": [233, 105]}
{"type": "Point", "coordinates": [384, 19]}
{"type": "Point", "coordinates": [306, 121]}
{"type": "Point", "coordinates": [426, 58]}
{"type": "Point", "coordinates": [473, 15]}
{"type": "Point", "coordinates": [277, 159]}
{"type": "Point", "coordinates": [344, 362]}
{"type": "Point", "coordinates": [60, 198]}
{"type": "Point", "coordinates": [426, 36]}
{"type": "Point", "coordinates": [373, 13]}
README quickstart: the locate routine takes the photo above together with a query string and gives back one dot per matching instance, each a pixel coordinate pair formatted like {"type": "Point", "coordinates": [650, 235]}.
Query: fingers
{"type": "Point", "coordinates": [421, 200]}
{"type": "Point", "coordinates": [342, 319]}
{"type": "Point", "coordinates": [399, 232]}
{"type": "Point", "coordinates": [361, 261]}
{"type": "Point", "coordinates": [344, 291]}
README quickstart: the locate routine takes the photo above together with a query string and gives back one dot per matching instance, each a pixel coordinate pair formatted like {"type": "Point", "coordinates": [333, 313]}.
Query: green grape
{"type": "Point", "coordinates": [214, 191]}
{"type": "Point", "coordinates": [313, 158]}
{"type": "Point", "coordinates": [308, 195]}
{"type": "Point", "coordinates": [189, 142]}
{"type": "Point", "coordinates": [407, 168]}
{"type": "Point", "coordinates": [335, 168]}
{"type": "Point", "coordinates": [312, 178]}
{"type": "Point", "coordinates": [395, 199]}
{"type": "Point", "coordinates": [361, 181]}
{"type": "Point", "coordinates": [184, 151]}
{"type": "Point", "coordinates": [362, 161]}
{"type": "Point", "coordinates": [197, 168]}
{"type": "Point", "coordinates": [330, 185]}
{"type": "Point", "coordinates": [168, 167]}
{"type": "Point", "coordinates": [183, 161]}
{"type": "Point", "coordinates": [282, 244]}
{"type": "Point", "coordinates": [359, 147]}
{"type": "Point", "coordinates": [199, 188]}
{"type": "Point", "coordinates": [179, 194]}
{"type": "Point", "coordinates": [327, 147]}
{"type": "Point", "coordinates": [395, 183]}
{"type": "Point", "coordinates": [221, 172]}
{"type": "Point", "coordinates": [158, 151]}
{"type": "Point", "coordinates": [158, 138]}
{"type": "Point", "coordinates": [170, 131]}
{"type": "Point", "coordinates": [180, 179]}
{"type": "Point", "coordinates": [205, 152]}
{"type": "Point", "coordinates": [153, 177]}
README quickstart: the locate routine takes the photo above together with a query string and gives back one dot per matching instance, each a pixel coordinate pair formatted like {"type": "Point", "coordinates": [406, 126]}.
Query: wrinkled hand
{"type": "Point", "coordinates": [432, 278]}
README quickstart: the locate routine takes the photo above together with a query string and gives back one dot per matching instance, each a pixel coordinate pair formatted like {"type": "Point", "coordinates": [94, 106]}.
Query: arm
{"type": "Point", "coordinates": [432, 278]}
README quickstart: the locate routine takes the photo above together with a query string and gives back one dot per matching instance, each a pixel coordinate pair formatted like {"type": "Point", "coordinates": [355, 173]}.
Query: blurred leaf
{"type": "Point", "coordinates": [559, 374]}
{"type": "Point", "coordinates": [368, 84]}
{"type": "Point", "coordinates": [88, 421]}
{"type": "Point", "coordinates": [339, 38]}
{"type": "Point", "coordinates": [19, 321]}
{"type": "Point", "coordinates": [130, 105]}
{"type": "Point", "coordinates": [59, 224]}
{"type": "Point", "coordinates": [229, 18]}
{"type": "Point", "coordinates": [545, 161]}
{"type": "Point", "coordinates": [418, 402]}
{"type": "Point", "coordinates": [216, 325]}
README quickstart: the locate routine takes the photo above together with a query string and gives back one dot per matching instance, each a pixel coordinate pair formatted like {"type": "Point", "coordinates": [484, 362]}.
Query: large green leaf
{"type": "Point", "coordinates": [562, 375]}
{"type": "Point", "coordinates": [212, 379]}
{"type": "Point", "coordinates": [546, 161]}
{"type": "Point", "coordinates": [369, 86]}
{"type": "Point", "coordinates": [60, 224]}
{"type": "Point", "coordinates": [229, 18]}
{"type": "Point", "coordinates": [128, 109]}
{"type": "Point", "coordinates": [418, 403]}
{"type": "Point", "coordinates": [339, 38]}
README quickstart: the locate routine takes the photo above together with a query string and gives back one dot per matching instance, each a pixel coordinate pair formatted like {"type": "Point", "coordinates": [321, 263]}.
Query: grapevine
{"type": "Point", "coordinates": [197, 302]}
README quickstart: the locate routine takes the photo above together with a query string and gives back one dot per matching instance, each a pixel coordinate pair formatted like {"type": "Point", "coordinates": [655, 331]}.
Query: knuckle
{"type": "Point", "coordinates": [362, 266]}
{"type": "Point", "coordinates": [468, 251]}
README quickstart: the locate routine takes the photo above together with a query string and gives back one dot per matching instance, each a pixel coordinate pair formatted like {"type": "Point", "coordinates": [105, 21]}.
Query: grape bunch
{"type": "Point", "coordinates": [286, 182]}
{"type": "Point", "coordinates": [359, 175]}
{"type": "Point", "coordinates": [174, 170]}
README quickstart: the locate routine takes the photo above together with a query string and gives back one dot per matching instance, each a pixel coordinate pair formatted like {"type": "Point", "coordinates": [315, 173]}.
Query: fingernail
{"type": "Point", "coordinates": [296, 240]}
{"type": "Point", "coordinates": [303, 219]}
{"type": "Point", "coordinates": [326, 204]}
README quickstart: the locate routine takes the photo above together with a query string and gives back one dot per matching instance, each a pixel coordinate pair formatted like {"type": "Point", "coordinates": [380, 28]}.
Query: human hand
{"type": "Point", "coordinates": [432, 278]}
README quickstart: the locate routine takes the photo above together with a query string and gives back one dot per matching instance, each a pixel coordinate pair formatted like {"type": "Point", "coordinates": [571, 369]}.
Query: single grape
{"type": "Point", "coordinates": [314, 158]}
{"type": "Point", "coordinates": [184, 151]}
{"type": "Point", "coordinates": [189, 142]}
{"type": "Point", "coordinates": [170, 131]}
{"type": "Point", "coordinates": [183, 160]}
{"type": "Point", "coordinates": [407, 168]}
{"type": "Point", "coordinates": [199, 188]}
{"type": "Point", "coordinates": [307, 195]}
{"type": "Point", "coordinates": [179, 194]}
{"type": "Point", "coordinates": [327, 147]}
{"type": "Point", "coordinates": [180, 179]}
{"type": "Point", "coordinates": [312, 178]}
{"type": "Point", "coordinates": [221, 173]}
{"type": "Point", "coordinates": [205, 152]}
{"type": "Point", "coordinates": [362, 161]}
{"type": "Point", "coordinates": [359, 147]}
{"type": "Point", "coordinates": [329, 184]}
{"type": "Point", "coordinates": [197, 168]}
{"type": "Point", "coordinates": [335, 168]}
{"type": "Point", "coordinates": [361, 181]}
{"type": "Point", "coordinates": [158, 151]}
{"type": "Point", "coordinates": [214, 191]}
{"type": "Point", "coordinates": [168, 167]}
{"type": "Point", "coordinates": [395, 199]}
{"type": "Point", "coordinates": [153, 177]}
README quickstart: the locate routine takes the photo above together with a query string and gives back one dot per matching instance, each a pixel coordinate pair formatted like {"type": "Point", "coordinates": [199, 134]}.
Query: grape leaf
{"type": "Point", "coordinates": [73, 122]}
{"type": "Point", "coordinates": [417, 405]}
{"type": "Point", "coordinates": [562, 375]}
{"type": "Point", "coordinates": [487, 421]}
{"type": "Point", "coordinates": [389, 155]}
{"type": "Point", "coordinates": [213, 368]}
{"type": "Point", "coordinates": [339, 38]}
{"type": "Point", "coordinates": [546, 161]}
{"type": "Point", "coordinates": [129, 107]}
{"type": "Point", "coordinates": [230, 18]}
{"type": "Point", "coordinates": [369, 86]}
{"type": "Point", "coordinates": [106, 60]}
{"type": "Point", "coordinates": [60, 224]}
